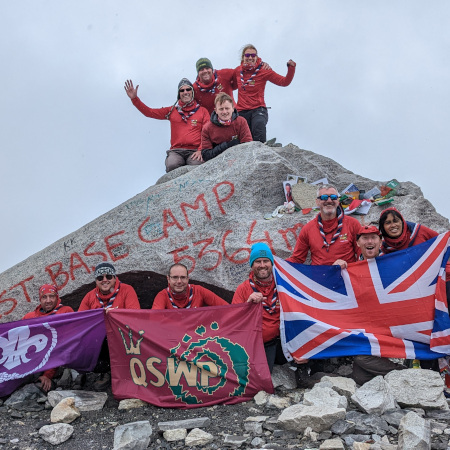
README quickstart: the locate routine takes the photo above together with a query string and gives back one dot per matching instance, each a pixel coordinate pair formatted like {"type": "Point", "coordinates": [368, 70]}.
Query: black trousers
{"type": "Point", "coordinates": [274, 353]}
{"type": "Point", "coordinates": [257, 120]}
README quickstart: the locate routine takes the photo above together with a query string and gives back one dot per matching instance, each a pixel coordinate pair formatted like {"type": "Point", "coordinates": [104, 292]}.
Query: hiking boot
{"type": "Point", "coordinates": [271, 141]}
{"type": "Point", "coordinates": [102, 383]}
{"type": "Point", "coordinates": [79, 383]}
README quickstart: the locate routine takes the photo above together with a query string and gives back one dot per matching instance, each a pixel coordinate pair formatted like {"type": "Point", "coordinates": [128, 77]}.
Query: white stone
{"type": "Point", "coordinates": [332, 444]}
{"type": "Point", "coordinates": [65, 411]}
{"type": "Point", "coordinates": [261, 398]}
{"type": "Point", "coordinates": [198, 437]}
{"type": "Point", "coordinates": [134, 435]}
{"type": "Point", "coordinates": [324, 396]}
{"type": "Point", "coordinates": [374, 397]}
{"type": "Point", "coordinates": [175, 435]}
{"type": "Point", "coordinates": [342, 385]}
{"type": "Point", "coordinates": [284, 376]}
{"type": "Point", "coordinates": [278, 402]}
{"type": "Point", "coordinates": [131, 403]}
{"type": "Point", "coordinates": [57, 433]}
{"type": "Point", "coordinates": [414, 432]}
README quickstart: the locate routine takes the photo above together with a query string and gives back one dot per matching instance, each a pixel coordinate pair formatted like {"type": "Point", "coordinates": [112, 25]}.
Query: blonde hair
{"type": "Point", "coordinates": [245, 48]}
{"type": "Point", "coordinates": [222, 98]}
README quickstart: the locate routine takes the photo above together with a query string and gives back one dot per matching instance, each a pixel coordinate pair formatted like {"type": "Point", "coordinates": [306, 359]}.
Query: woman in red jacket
{"type": "Point", "coordinates": [251, 79]}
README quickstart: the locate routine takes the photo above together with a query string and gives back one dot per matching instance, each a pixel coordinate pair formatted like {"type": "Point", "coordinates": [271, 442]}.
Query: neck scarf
{"type": "Point", "coordinates": [329, 226]}
{"type": "Point", "coordinates": [109, 298]}
{"type": "Point", "coordinates": [225, 123]}
{"type": "Point", "coordinates": [249, 68]}
{"type": "Point", "coordinates": [211, 87]}
{"type": "Point", "coordinates": [183, 299]}
{"type": "Point", "coordinates": [269, 290]}
{"type": "Point", "coordinates": [405, 240]}
{"type": "Point", "coordinates": [53, 311]}
{"type": "Point", "coordinates": [189, 108]}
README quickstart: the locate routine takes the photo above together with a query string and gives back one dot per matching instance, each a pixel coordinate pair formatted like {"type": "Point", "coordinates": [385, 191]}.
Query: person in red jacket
{"type": "Point", "coordinates": [251, 78]}
{"type": "Point", "coordinates": [109, 291]}
{"type": "Point", "coordinates": [260, 288]}
{"type": "Point", "coordinates": [181, 294]}
{"type": "Point", "coordinates": [210, 83]}
{"type": "Point", "coordinates": [186, 118]}
{"type": "Point", "coordinates": [331, 236]}
{"type": "Point", "coordinates": [49, 304]}
{"type": "Point", "coordinates": [225, 129]}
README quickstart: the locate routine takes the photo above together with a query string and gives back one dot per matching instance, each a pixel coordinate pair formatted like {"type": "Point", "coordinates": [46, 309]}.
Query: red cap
{"type": "Point", "coordinates": [47, 289]}
{"type": "Point", "coordinates": [366, 229]}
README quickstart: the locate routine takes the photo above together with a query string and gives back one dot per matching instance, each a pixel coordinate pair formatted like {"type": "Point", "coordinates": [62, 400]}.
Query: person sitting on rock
{"type": "Point", "coordinates": [260, 288]}
{"type": "Point", "coordinates": [187, 119]}
{"type": "Point", "coordinates": [49, 304]}
{"type": "Point", "coordinates": [181, 294]}
{"type": "Point", "coordinates": [225, 129]}
{"type": "Point", "coordinates": [366, 367]}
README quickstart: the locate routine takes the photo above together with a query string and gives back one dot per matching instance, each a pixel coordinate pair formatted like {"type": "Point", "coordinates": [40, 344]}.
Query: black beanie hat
{"type": "Point", "coordinates": [202, 63]}
{"type": "Point", "coordinates": [184, 82]}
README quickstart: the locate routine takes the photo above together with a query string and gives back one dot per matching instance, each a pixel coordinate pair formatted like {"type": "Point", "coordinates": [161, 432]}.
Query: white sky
{"type": "Point", "coordinates": [371, 91]}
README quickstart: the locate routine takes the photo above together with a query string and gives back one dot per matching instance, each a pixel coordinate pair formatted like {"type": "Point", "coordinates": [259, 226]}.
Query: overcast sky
{"type": "Point", "coordinates": [371, 91]}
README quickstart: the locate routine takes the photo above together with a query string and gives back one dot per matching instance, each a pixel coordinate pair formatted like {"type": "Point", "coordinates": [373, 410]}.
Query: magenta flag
{"type": "Point", "coordinates": [35, 345]}
{"type": "Point", "coordinates": [188, 358]}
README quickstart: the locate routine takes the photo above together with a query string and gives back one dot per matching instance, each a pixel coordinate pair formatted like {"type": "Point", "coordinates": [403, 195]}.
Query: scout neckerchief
{"type": "Point", "coordinates": [110, 300]}
{"type": "Point", "coordinates": [245, 83]}
{"type": "Point", "coordinates": [189, 301]}
{"type": "Point", "coordinates": [340, 216]}
{"type": "Point", "coordinates": [190, 107]}
{"type": "Point", "coordinates": [212, 89]}
{"type": "Point", "coordinates": [269, 305]}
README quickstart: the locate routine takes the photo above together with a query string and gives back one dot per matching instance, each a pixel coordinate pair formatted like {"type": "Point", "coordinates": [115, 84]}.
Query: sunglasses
{"type": "Point", "coordinates": [185, 90]}
{"type": "Point", "coordinates": [100, 277]}
{"type": "Point", "coordinates": [250, 55]}
{"type": "Point", "coordinates": [324, 197]}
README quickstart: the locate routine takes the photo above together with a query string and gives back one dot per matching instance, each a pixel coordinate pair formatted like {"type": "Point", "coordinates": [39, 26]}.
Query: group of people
{"type": "Point", "coordinates": [331, 238]}
{"type": "Point", "coordinates": [205, 120]}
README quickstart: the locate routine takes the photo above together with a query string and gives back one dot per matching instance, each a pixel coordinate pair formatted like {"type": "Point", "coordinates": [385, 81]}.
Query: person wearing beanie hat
{"type": "Point", "coordinates": [260, 288]}
{"type": "Point", "coordinates": [109, 291]}
{"type": "Point", "coordinates": [49, 304]}
{"type": "Point", "coordinates": [187, 118]}
{"type": "Point", "coordinates": [180, 294]}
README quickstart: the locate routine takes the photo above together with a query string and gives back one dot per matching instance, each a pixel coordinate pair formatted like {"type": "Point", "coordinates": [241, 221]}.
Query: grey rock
{"type": "Point", "coordinates": [66, 379]}
{"type": "Point", "coordinates": [394, 417]}
{"type": "Point", "coordinates": [343, 427]}
{"type": "Point", "coordinates": [274, 401]}
{"type": "Point", "coordinates": [65, 411]}
{"type": "Point", "coordinates": [284, 376]}
{"type": "Point", "coordinates": [253, 427]}
{"type": "Point", "coordinates": [189, 424]}
{"type": "Point", "coordinates": [368, 423]}
{"type": "Point", "coordinates": [27, 392]}
{"type": "Point", "coordinates": [57, 433]}
{"type": "Point", "coordinates": [324, 435]}
{"type": "Point", "coordinates": [230, 440]}
{"type": "Point", "coordinates": [271, 424]}
{"type": "Point", "coordinates": [84, 400]}
{"type": "Point", "coordinates": [261, 398]}
{"type": "Point", "coordinates": [417, 388]}
{"type": "Point", "coordinates": [375, 397]}
{"type": "Point", "coordinates": [284, 434]}
{"type": "Point", "coordinates": [319, 418]}
{"type": "Point", "coordinates": [343, 386]}
{"type": "Point", "coordinates": [349, 439]}
{"type": "Point", "coordinates": [28, 405]}
{"type": "Point", "coordinates": [198, 437]}
{"type": "Point", "coordinates": [132, 436]}
{"type": "Point", "coordinates": [145, 244]}
{"type": "Point", "coordinates": [16, 414]}
{"type": "Point", "coordinates": [177, 434]}
{"type": "Point", "coordinates": [332, 444]}
{"type": "Point", "coordinates": [131, 403]}
{"type": "Point", "coordinates": [324, 396]}
{"type": "Point", "coordinates": [414, 432]}
{"type": "Point", "coordinates": [257, 442]}
{"type": "Point", "coordinates": [438, 414]}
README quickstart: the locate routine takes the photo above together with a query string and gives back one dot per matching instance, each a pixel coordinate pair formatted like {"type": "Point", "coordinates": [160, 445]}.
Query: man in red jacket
{"type": "Point", "coordinates": [109, 291]}
{"type": "Point", "coordinates": [186, 118]}
{"type": "Point", "coordinates": [331, 236]}
{"type": "Point", "coordinates": [260, 288]}
{"type": "Point", "coordinates": [181, 294]}
{"type": "Point", "coordinates": [49, 304]}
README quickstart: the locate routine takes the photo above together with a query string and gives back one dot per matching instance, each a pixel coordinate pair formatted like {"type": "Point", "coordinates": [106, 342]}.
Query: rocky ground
{"type": "Point", "coordinates": [405, 410]}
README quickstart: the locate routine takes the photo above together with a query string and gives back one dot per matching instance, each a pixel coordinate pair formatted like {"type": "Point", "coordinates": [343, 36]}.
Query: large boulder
{"type": "Point", "coordinates": [205, 216]}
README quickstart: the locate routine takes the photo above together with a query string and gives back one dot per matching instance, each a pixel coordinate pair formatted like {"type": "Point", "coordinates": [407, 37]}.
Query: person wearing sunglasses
{"type": "Point", "coordinates": [251, 78]}
{"type": "Point", "coordinates": [186, 118]}
{"type": "Point", "coordinates": [331, 236]}
{"type": "Point", "coordinates": [180, 294]}
{"type": "Point", "coordinates": [226, 128]}
{"type": "Point", "coordinates": [49, 304]}
{"type": "Point", "coordinates": [109, 292]}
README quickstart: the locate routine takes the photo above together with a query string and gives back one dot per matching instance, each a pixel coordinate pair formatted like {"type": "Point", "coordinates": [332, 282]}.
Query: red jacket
{"type": "Point", "coordinates": [252, 95]}
{"type": "Point", "coordinates": [270, 322]}
{"type": "Point", "coordinates": [311, 240]}
{"type": "Point", "coordinates": [223, 83]}
{"type": "Point", "coordinates": [126, 298]}
{"type": "Point", "coordinates": [184, 135]}
{"type": "Point", "coordinates": [214, 133]}
{"type": "Point", "coordinates": [201, 297]}
{"type": "Point", "coordinates": [50, 373]}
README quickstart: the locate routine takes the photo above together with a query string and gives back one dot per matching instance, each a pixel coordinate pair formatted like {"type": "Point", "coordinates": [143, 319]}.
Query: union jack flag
{"type": "Point", "coordinates": [392, 306]}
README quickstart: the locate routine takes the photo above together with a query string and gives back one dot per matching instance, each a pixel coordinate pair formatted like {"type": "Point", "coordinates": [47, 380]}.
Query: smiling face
{"type": "Point", "coordinates": [224, 110]}
{"type": "Point", "coordinates": [186, 93]}
{"type": "Point", "coordinates": [262, 269]}
{"type": "Point", "coordinates": [393, 226]}
{"type": "Point", "coordinates": [205, 75]}
{"type": "Point", "coordinates": [178, 279]}
{"type": "Point", "coordinates": [49, 301]}
{"type": "Point", "coordinates": [328, 207]}
{"type": "Point", "coordinates": [104, 285]}
{"type": "Point", "coordinates": [370, 245]}
{"type": "Point", "coordinates": [249, 56]}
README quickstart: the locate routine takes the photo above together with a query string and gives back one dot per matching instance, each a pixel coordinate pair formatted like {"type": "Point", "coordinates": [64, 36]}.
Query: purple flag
{"type": "Point", "coordinates": [35, 345]}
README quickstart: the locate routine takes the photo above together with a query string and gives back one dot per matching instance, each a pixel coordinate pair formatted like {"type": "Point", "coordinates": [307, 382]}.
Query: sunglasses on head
{"type": "Point", "coordinates": [185, 90]}
{"type": "Point", "coordinates": [100, 277]}
{"type": "Point", "coordinates": [249, 55]}
{"type": "Point", "coordinates": [324, 197]}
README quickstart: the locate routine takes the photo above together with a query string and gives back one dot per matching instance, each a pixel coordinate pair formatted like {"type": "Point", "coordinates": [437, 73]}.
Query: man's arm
{"type": "Point", "coordinates": [131, 300]}
{"type": "Point", "coordinates": [301, 248]}
{"type": "Point", "coordinates": [160, 300]}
